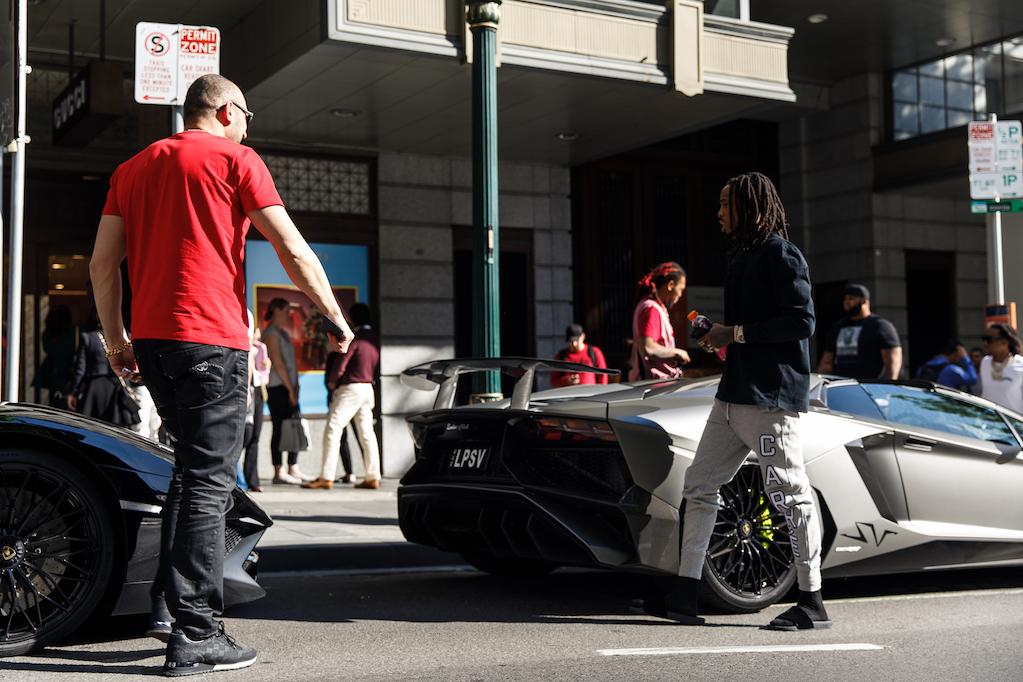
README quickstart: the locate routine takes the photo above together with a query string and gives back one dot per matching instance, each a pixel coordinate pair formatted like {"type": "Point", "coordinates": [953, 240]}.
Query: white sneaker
{"type": "Point", "coordinates": [285, 477]}
{"type": "Point", "coordinates": [297, 473]}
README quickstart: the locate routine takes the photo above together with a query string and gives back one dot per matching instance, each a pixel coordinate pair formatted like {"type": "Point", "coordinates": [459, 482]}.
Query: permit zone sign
{"type": "Point", "coordinates": [169, 57]}
{"type": "Point", "coordinates": [996, 159]}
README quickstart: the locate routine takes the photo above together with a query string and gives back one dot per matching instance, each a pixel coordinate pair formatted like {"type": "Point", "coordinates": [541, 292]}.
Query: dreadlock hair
{"type": "Point", "coordinates": [660, 275]}
{"type": "Point", "coordinates": [756, 211]}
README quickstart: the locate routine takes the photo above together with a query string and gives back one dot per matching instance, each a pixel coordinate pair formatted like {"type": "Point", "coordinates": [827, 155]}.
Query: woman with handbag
{"type": "Point", "coordinates": [95, 390]}
{"type": "Point", "coordinates": [654, 355]}
{"type": "Point", "coordinates": [282, 388]}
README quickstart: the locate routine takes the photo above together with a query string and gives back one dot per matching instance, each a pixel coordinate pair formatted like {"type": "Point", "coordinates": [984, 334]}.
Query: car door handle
{"type": "Point", "coordinates": [924, 444]}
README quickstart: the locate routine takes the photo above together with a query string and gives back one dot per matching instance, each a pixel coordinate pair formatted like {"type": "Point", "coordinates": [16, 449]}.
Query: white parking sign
{"type": "Point", "coordinates": [996, 159]}
{"type": "Point", "coordinates": [169, 57]}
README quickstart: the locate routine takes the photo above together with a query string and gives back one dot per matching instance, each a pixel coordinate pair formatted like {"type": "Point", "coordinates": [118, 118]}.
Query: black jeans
{"type": "Point", "coordinates": [251, 441]}
{"type": "Point", "coordinates": [280, 409]}
{"type": "Point", "coordinates": [199, 391]}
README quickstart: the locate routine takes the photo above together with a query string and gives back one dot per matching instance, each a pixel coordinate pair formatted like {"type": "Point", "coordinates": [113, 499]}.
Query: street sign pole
{"type": "Point", "coordinates": [13, 358]}
{"type": "Point", "coordinates": [996, 288]}
{"type": "Point", "coordinates": [177, 119]}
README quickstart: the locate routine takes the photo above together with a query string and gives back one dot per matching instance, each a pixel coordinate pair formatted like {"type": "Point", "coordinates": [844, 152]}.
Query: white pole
{"type": "Point", "coordinates": [13, 358]}
{"type": "Point", "coordinates": [177, 119]}
{"type": "Point", "coordinates": [994, 227]}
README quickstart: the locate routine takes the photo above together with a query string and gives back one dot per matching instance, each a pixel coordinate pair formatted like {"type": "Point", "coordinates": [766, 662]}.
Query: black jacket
{"type": "Point", "coordinates": [768, 292]}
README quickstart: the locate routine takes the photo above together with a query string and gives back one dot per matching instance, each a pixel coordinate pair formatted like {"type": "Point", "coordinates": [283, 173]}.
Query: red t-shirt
{"type": "Point", "coordinates": [184, 201]}
{"type": "Point", "coordinates": [559, 379]}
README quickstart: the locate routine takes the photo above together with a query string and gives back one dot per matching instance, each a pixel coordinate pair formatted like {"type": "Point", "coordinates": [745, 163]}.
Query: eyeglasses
{"type": "Point", "coordinates": [248, 114]}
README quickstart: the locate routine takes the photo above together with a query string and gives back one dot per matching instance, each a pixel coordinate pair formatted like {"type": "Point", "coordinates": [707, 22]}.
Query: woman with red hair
{"type": "Point", "coordinates": [654, 355]}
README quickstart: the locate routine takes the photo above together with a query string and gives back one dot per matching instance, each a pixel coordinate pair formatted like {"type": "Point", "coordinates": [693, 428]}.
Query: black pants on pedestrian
{"type": "Point", "coordinates": [200, 393]}
{"type": "Point", "coordinates": [280, 409]}
{"type": "Point", "coordinates": [251, 439]}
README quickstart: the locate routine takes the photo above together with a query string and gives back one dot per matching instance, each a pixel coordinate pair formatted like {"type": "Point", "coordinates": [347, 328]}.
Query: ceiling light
{"type": "Point", "coordinates": [58, 287]}
{"type": "Point", "coordinates": [568, 137]}
{"type": "Point", "coordinates": [59, 266]}
{"type": "Point", "coordinates": [344, 113]}
{"type": "Point", "coordinates": [945, 41]}
{"type": "Point", "coordinates": [817, 18]}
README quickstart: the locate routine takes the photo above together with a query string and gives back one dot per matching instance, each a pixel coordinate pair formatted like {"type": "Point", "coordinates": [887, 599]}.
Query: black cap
{"type": "Point", "coordinates": [857, 290]}
{"type": "Point", "coordinates": [573, 331]}
{"type": "Point", "coordinates": [273, 306]}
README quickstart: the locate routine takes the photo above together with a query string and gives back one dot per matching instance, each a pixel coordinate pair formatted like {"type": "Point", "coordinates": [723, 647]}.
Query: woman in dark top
{"type": "Point", "coordinates": [95, 391]}
{"type": "Point", "coordinates": [59, 336]}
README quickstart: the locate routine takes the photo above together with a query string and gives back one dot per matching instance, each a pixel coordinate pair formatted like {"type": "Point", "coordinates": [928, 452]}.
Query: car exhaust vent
{"type": "Point", "coordinates": [231, 539]}
{"type": "Point", "coordinates": [600, 473]}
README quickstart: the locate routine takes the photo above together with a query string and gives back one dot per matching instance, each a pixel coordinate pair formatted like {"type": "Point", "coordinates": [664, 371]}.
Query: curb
{"type": "Point", "coordinates": [352, 557]}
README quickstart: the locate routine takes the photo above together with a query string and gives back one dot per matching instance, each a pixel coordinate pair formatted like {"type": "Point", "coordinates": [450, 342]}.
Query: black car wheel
{"type": "Point", "coordinates": [749, 560]}
{"type": "Point", "coordinates": [56, 550]}
{"type": "Point", "coordinates": [511, 568]}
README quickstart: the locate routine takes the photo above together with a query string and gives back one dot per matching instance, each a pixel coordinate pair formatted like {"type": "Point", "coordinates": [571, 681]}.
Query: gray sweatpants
{"type": "Point", "coordinates": [733, 431]}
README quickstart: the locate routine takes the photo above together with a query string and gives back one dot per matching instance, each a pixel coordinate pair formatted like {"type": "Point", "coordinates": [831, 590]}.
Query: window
{"type": "Point", "coordinates": [853, 399]}
{"type": "Point", "coordinates": [952, 91]}
{"type": "Point", "coordinates": [921, 407]}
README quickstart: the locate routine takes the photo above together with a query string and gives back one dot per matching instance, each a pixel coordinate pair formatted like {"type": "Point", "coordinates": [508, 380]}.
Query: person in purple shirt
{"type": "Point", "coordinates": [352, 402]}
{"type": "Point", "coordinates": [952, 367]}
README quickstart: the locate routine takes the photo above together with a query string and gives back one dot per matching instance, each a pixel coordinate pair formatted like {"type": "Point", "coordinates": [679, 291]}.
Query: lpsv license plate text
{"type": "Point", "coordinates": [468, 458]}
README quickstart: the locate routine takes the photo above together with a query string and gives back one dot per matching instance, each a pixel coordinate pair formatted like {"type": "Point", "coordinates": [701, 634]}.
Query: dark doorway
{"type": "Point", "coordinates": [931, 304]}
{"type": "Point", "coordinates": [517, 319]}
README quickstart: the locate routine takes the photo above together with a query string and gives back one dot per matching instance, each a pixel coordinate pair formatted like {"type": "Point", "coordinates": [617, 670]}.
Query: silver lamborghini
{"type": "Point", "coordinates": [909, 476]}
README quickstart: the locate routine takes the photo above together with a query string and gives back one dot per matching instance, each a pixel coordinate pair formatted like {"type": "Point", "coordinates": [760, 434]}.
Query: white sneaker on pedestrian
{"type": "Point", "coordinates": [297, 473]}
{"type": "Point", "coordinates": [287, 478]}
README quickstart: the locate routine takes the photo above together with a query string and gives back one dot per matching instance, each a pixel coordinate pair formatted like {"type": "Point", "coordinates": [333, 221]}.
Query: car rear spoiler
{"type": "Point", "coordinates": [445, 373]}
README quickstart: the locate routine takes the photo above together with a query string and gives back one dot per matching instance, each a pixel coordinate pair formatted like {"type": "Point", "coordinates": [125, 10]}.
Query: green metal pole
{"type": "Point", "coordinates": [483, 18]}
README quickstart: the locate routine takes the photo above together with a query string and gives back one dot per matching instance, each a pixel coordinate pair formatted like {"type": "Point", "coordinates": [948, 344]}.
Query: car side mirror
{"type": "Point", "coordinates": [1009, 453]}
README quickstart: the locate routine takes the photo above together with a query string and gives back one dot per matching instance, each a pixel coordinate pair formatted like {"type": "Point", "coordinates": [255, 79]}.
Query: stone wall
{"type": "Point", "coordinates": [421, 200]}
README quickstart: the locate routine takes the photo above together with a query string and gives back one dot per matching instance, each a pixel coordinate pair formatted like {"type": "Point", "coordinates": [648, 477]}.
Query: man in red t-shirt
{"type": "Point", "coordinates": [579, 352]}
{"type": "Point", "coordinates": [179, 211]}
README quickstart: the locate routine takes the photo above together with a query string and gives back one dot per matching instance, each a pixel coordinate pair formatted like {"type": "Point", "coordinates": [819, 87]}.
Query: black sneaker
{"type": "Point", "coordinates": [215, 653]}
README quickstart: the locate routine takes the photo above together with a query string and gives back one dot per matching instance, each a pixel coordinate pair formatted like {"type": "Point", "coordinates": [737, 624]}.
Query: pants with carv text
{"type": "Point", "coordinates": [732, 432]}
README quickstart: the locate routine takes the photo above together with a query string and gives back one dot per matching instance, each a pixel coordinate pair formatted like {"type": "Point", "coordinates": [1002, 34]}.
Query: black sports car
{"type": "Point", "coordinates": [80, 505]}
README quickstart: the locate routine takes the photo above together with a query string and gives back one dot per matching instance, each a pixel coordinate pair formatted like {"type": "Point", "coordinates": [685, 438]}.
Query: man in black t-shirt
{"type": "Point", "coordinates": [861, 345]}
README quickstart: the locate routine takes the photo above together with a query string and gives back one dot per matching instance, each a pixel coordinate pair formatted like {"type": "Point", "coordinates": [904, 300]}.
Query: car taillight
{"type": "Point", "coordinates": [567, 430]}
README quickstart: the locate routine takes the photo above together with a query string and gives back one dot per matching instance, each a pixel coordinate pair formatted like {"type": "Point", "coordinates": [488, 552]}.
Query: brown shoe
{"type": "Point", "coordinates": [370, 483]}
{"type": "Point", "coordinates": [319, 483]}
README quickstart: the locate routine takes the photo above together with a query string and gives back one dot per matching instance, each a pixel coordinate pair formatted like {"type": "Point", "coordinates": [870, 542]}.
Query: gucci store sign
{"type": "Point", "coordinates": [90, 102]}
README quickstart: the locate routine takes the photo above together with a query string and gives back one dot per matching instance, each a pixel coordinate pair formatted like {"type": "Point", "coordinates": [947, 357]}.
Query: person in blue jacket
{"type": "Point", "coordinates": [951, 367]}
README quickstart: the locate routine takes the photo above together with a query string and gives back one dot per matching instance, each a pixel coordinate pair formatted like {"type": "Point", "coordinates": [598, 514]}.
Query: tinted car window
{"type": "Point", "coordinates": [920, 407]}
{"type": "Point", "coordinates": [852, 399]}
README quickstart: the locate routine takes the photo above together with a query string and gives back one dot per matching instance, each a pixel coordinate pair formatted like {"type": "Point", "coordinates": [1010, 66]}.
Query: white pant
{"type": "Point", "coordinates": [351, 404]}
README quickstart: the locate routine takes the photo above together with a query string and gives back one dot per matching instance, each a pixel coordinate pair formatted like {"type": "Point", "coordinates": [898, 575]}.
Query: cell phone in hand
{"type": "Point", "coordinates": [331, 327]}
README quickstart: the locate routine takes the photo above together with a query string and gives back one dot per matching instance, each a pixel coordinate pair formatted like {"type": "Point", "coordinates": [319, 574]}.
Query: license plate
{"type": "Point", "coordinates": [469, 458]}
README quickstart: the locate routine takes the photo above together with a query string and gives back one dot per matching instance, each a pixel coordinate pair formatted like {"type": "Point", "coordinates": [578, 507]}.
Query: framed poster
{"type": "Point", "coordinates": [347, 268]}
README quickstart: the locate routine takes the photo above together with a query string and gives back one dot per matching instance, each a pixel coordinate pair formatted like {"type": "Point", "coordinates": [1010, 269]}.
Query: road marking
{"type": "Point", "coordinates": [926, 595]}
{"type": "Point", "coordinates": [331, 572]}
{"type": "Point", "coordinates": [768, 649]}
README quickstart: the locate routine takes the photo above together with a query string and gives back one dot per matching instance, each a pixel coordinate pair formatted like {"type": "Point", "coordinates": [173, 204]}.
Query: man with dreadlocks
{"type": "Point", "coordinates": [768, 318]}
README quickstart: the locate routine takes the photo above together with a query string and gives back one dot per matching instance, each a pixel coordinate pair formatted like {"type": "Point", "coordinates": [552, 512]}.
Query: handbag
{"type": "Point", "coordinates": [294, 434]}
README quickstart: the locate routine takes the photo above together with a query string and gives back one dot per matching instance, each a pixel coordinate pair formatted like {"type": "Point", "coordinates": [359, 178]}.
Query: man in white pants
{"type": "Point", "coordinates": [353, 402]}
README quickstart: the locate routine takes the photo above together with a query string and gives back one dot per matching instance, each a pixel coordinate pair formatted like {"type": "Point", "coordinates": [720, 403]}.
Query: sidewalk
{"type": "Point", "coordinates": [343, 529]}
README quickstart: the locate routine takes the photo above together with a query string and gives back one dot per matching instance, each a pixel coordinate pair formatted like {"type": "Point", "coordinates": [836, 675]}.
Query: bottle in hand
{"type": "Point", "coordinates": [700, 324]}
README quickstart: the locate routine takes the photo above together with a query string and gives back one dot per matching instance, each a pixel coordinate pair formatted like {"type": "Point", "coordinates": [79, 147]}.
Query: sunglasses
{"type": "Point", "coordinates": [248, 114]}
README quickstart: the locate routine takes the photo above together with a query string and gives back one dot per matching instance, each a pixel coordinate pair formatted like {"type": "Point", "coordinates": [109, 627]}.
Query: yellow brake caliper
{"type": "Point", "coordinates": [765, 524]}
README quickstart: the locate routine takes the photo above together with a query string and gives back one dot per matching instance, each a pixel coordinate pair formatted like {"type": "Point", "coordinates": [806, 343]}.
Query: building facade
{"type": "Point", "coordinates": [619, 120]}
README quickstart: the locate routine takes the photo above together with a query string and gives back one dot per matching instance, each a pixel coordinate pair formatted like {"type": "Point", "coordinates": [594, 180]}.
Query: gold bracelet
{"type": "Point", "coordinates": [117, 350]}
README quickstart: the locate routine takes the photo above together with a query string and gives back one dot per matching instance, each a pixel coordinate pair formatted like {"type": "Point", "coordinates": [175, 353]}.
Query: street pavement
{"type": "Point", "coordinates": [572, 625]}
